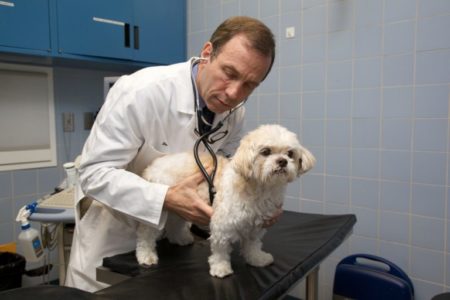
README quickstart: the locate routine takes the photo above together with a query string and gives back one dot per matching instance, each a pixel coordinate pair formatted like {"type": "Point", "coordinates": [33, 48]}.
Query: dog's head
{"type": "Point", "coordinates": [271, 154]}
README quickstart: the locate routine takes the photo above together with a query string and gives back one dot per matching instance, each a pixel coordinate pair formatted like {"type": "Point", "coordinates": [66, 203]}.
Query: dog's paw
{"type": "Point", "coordinates": [220, 269]}
{"type": "Point", "coordinates": [182, 239]}
{"type": "Point", "coordinates": [147, 259]}
{"type": "Point", "coordinates": [259, 259]}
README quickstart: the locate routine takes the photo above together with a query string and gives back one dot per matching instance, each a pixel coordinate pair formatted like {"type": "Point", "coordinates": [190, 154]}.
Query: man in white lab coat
{"type": "Point", "coordinates": [147, 114]}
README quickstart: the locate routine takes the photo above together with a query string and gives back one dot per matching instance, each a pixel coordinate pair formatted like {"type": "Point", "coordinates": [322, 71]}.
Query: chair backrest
{"type": "Point", "coordinates": [367, 277]}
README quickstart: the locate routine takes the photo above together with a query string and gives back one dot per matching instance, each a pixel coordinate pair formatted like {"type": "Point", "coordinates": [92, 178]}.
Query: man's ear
{"type": "Point", "coordinates": [206, 50]}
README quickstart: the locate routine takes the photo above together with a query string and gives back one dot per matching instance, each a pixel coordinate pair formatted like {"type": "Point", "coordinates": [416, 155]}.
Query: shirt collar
{"type": "Point", "coordinates": [194, 75]}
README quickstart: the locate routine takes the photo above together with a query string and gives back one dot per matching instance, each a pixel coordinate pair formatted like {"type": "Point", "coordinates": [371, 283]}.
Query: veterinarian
{"type": "Point", "coordinates": [148, 114]}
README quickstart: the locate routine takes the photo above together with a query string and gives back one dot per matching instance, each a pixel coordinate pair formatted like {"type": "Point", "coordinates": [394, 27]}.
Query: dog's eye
{"type": "Point", "coordinates": [265, 151]}
{"type": "Point", "coordinates": [290, 153]}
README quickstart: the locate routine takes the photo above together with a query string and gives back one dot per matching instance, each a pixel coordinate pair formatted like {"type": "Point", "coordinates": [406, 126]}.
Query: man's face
{"type": "Point", "coordinates": [228, 78]}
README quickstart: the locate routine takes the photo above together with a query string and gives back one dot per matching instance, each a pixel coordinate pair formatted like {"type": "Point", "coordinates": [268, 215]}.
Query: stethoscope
{"type": "Point", "coordinates": [207, 138]}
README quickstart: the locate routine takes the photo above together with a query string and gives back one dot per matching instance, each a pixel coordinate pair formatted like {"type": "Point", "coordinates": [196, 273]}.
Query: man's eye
{"type": "Point", "coordinates": [265, 151]}
{"type": "Point", "coordinates": [228, 73]}
{"type": "Point", "coordinates": [251, 86]}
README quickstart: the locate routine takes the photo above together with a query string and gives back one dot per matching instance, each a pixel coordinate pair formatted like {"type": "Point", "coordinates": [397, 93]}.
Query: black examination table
{"type": "Point", "coordinates": [299, 242]}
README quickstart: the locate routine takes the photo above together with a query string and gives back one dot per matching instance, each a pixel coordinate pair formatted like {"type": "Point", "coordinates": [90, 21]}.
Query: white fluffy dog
{"type": "Point", "coordinates": [250, 189]}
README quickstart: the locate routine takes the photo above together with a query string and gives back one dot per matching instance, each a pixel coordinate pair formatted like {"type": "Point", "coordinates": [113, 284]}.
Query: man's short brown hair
{"type": "Point", "coordinates": [258, 34]}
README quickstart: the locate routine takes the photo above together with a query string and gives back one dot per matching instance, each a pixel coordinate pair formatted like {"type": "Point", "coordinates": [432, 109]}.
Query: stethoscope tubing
{"type": "Point", "coordinates": [208, 177]}
{"type": "Point", "coordinates": [207, 138]}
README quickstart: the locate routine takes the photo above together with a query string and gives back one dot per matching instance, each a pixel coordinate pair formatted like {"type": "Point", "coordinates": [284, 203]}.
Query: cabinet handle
{"type": "Point", "coordinates": [126, 31]}
{"type": "Point", "coordinates": [126, 27]}
{"type": "Point", "coordinates": [5, 3]}
{"type": "Point", "coordinates": [136, 37]}
{"type": "Point", "coordinates": [108, 21]}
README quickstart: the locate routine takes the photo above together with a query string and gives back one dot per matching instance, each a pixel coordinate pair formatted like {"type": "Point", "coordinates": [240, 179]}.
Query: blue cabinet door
{"type": "Point", "coordinates": [98, 28]}
{"type": "Point", "coordinates": [159, 31]}
{"type": "Point", "coordinates": [25, 24]}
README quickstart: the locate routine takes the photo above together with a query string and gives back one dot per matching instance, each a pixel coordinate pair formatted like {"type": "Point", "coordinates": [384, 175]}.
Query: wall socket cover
{"type": "Point", "coordinates": [89, 119]}
{"type": "Point", "coordinates": [290, 32]}
{"type": "Point", "coordinates": [68, 122]}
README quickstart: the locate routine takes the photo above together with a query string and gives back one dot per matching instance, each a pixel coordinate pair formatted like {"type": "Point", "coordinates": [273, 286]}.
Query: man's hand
{"type": "Point", "coordinates": [184, 200]}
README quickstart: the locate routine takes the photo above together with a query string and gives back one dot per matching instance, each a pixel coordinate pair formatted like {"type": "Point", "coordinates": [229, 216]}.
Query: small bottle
{"type": "Point", "coordinates": [71, 173]}
{"type": "Point", "coordinates": [30, 240]}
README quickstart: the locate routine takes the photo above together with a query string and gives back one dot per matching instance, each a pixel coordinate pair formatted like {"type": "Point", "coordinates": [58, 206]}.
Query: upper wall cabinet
{"type": "Point", "coordinates": [25, 24]}
{"type": "Point", "coordinates": [130, 31]}
{"type": "Point", "coordinates": [95, 27]}
{"type": "Point", "coordinates": [159, 31]}
{"type": "Point", "coordinates": [138, 30]}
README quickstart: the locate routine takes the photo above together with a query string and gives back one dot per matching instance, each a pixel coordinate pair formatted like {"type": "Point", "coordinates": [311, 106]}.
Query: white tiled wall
{"type": "Point", "coordinates": [365, 83]}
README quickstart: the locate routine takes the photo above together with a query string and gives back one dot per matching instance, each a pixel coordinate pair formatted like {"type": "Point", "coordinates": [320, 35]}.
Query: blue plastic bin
{"type": "Point", "coordinates": [367, 277]}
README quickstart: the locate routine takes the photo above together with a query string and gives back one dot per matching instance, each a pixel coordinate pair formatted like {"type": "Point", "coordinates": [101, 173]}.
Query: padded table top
{"type": "Point", "coordinates": [299, 242]}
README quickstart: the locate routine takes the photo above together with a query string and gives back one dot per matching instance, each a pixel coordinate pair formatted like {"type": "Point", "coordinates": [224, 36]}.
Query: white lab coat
{"type": "Point", "coordinates": [145, 115]}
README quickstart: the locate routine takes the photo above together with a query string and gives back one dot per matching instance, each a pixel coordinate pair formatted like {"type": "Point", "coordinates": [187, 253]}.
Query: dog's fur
{"type": "Point", "coordinates": [250, 189]}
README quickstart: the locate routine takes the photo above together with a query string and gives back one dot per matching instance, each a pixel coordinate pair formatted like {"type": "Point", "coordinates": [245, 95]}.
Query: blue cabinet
{"type": "Point", "coordinates": [162, 30]}
{"type": "Point", "coordinates": [95, 28]}
{"type": "Point", "coordinates": [25, 25]}
{"type": "Point", "coordinates": [124, 31]}
{"type": "Point", "coordinates": [138, 30]}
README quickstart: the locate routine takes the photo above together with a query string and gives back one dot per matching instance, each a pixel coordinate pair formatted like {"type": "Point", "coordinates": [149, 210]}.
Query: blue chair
{"type": "Point", "coordinates": [367, 277]}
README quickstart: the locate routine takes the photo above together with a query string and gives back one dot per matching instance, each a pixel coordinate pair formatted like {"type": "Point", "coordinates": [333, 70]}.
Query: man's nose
{"type": "Point", "coordinates": [234, 90]}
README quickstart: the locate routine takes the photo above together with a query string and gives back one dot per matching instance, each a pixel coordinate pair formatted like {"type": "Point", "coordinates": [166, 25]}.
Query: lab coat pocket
{"type": "Point", "coordinates": [90, 212]}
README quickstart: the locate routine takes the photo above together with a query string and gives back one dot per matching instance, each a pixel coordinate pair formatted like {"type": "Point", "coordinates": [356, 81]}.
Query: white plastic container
{"type": "Point", "coordinates": [30, 241]}
{"type": "Point", "coordinates": [71, 173]}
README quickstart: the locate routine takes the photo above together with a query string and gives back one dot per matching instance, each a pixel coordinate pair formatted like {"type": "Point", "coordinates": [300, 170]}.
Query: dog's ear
{"type": "Point", "coordinates": [306, 161]}
{"type": "Point", "coordinates": [243, 159]}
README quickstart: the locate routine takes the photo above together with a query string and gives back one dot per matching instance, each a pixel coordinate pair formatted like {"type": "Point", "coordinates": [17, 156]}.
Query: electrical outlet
{"type": "Point", "coordinates": [68, 122]}
{"type": "Point", "coordinates": [88, 120]}
{"type": "Point", "coordinates": [290, 32]}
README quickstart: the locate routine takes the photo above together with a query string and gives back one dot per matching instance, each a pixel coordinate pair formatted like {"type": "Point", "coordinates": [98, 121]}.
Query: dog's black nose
{"type": "Point", "coordinates": [282, 162]}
